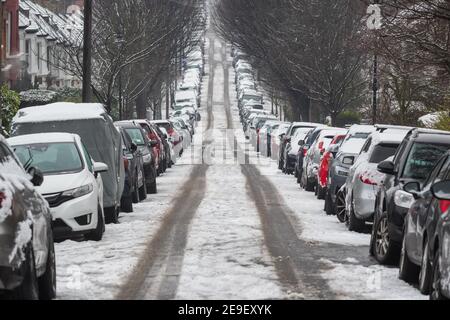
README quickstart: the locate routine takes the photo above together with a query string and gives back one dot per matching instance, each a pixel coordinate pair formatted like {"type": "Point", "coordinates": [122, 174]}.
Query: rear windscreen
{"type": "Point", "coordinates": [383, 151]}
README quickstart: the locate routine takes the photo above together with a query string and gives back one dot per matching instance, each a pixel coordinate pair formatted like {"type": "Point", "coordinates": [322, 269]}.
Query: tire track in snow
{"type": "Point", "coordinates": [297, 266]}
{"type": "Point", "coordinates": [157, 273]}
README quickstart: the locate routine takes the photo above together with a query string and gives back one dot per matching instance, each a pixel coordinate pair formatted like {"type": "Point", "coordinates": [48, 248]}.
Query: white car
{"type": "Point", "coordinates": [73, 186]}
{"type": "Point", "coordinates": [183, 97]}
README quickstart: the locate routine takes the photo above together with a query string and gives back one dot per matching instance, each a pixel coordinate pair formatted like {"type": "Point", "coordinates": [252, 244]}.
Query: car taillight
{"type": "Point", "coordinates": [321, 146]}
{"type": "Point", "coordinates": [366, 180]}
{"type": "Point", "coordinates": [305, 151]}
{"type": "Point", "coordinates": [126, 163]}
{"type": "Point", "coordinates": [170, 131]}
{"type": "Point", "coordinates": [444, 205]}
{"type": "Point", "coordinates": [2, 198]}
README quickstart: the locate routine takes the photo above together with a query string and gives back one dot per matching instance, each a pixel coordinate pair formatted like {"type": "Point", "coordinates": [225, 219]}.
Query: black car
{"type": "Point", "coordinates": [426, 223]}
{"type": "Point", "coordinates": [145, 146]}
{"type": "Point", "coordinates": [27, 254]}
{"type": "Point", "coordinates": [135, 189]}
{"type": "Point", "coordinates": [165, 140]}
{"type": "Point", "coordinates": [413, 162]}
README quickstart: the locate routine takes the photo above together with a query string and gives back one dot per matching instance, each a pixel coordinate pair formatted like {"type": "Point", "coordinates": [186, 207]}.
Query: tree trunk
{"type": "Point", "coordinates": [141, 105]}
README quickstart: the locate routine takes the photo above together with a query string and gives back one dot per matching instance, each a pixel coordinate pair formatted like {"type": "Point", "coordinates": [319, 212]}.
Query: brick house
{"type": "Point", "coordinates": [10, 48]}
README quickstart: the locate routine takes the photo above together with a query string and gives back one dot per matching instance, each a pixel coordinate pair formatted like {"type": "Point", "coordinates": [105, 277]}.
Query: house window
{"type": "Point", "coordinates": [49, 56]}
{"type": "Point", "coordinates": [27, 51]}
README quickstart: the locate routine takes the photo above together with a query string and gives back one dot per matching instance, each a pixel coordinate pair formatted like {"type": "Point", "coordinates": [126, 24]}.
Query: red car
{"type": "Point", "coordinates": [158, 150]}
{"type": "Point", "coordinates": [324, 166]}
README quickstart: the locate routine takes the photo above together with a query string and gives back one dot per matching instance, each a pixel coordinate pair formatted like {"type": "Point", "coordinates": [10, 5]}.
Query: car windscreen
{"type": "Point", "coordinates": [51, 158]}
{"type": "Point", "coordinates": [383, 151]}
{"type": "Point", "coordinates": [421, 160]}
{"type": "Point", "coordinates": [136, 136]}
{"type": "Point", "coordinates": [251, 97]}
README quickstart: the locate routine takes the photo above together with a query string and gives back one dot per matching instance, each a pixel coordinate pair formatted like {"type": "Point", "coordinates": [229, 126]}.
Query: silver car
{"type": "Point", "coordinates": [364, 178]}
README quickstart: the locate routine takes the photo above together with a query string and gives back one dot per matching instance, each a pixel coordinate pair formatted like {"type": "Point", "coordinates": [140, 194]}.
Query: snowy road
{"type": "Point", "coordinates": [226, 225]}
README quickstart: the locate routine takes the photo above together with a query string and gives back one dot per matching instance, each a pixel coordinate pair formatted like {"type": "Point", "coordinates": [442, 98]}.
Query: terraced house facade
{"type": "Point", "coordinates": [34, 45]}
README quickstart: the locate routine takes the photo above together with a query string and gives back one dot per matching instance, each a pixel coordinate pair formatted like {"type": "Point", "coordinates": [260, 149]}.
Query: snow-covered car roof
{"type": "Point", "coordinates": [185, 94]}
{"type": "Point", "coordinates": [388, 137]}
{"type": "Point", "coordinates": [42, 138]}
{"type": "Point", "coordinates": [60, 111]}
{"type": "Point", "coordinates": [306, 124]}
{"type": "Point", "coordinates": [357, 128]}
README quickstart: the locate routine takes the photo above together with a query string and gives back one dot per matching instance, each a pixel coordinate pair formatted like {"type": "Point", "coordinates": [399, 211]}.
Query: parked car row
{"type": "Point", "coordinates": [394, 181]}
{"type": "Point", "coordinates": [68, 170]}
{"type": "Point", "coordinates": [391, 181]}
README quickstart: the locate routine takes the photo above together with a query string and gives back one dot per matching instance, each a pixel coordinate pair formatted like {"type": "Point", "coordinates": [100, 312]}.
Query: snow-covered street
{"type": "Point", "coordinates": [226, 224]}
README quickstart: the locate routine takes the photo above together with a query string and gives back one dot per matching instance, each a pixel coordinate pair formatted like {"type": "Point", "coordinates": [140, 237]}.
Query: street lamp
{"type": "Point", "coordinates": [374, 23]}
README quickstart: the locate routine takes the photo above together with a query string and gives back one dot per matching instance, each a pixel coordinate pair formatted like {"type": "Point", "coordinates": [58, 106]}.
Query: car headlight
{"type": "Point", "coordinates": [403, 199]}
{"type": "Point", "coordinates": [79, 192]}
{"type": "Point", "coordinates": [147, 158]}
{"type": "Point", "coordinates": [341, 171]}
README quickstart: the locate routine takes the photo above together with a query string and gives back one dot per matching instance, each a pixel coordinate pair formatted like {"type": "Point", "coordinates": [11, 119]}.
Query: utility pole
{"type": "Point", "coordinates": [87, 52]}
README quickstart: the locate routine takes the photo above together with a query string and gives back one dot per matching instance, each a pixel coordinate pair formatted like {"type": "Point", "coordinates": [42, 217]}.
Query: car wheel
{"type": "Point", "coordinates": [152, 188]}
{"type": "Point", "coordinates": [353, 223]}
{"type": "Point", "coordinates": [385, 251]}
{"type": "Point", "coordinates": [97, 234]}
{"type": "Point", "coordinates": [47, 282]}
{"type": "Point", "coordinates": [425, 271]}
{"type": "Point", "coordinates": [29, 288]}
{"type": "Point", "coordinates": [340, 207]}
{"type": "Point", "coordinates": [135, 194]}
{"type": "Point", "coordinates": [408, 272]}
{"type": "Point", "coordinates": [329, 210]}
{"type": "Point", "coordinates": [321, 192]}
{"type": "Point", "coordinates": [309, 186]}
{"type": "Point", "coordinates": [112, 214]}
{"type": "Point", "coordinates": [436, 287]}
{"type": "Point", "coordinates": [143, 191]}
{"type": "Point", "coordinates": [126, 204]}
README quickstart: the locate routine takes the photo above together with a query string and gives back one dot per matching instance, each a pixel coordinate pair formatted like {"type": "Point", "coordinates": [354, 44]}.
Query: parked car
{"type": "Point", "coordinates": [364, 179]}
{"type": "Point", "coordinates": [291, 149]}
{"type": "Point", "coordinates": [304, 146]}
{"type": "Point", "coordinates": [277, 137]}
{"type": "Point", "coordinates": [265, 136]}
{"type": "Point", "coordinates": [424, 246]}
{"type": "Point", "coordinates": [328, 156]}
{"type": "Point", "coordinates": [73, 186]}
{"type": "Point", "coordinates": [340, 166]}
{"type": "Point", "coordinates": [290, 132]}
{"type": "Point", "coordinates": [174, 137]}
{"type": "Point", "coordinates": [98, 133]}
{"type": "Point", "coordinates": [159, 149]}
{"type": "Point", "coordinates": [257, 123]}
{"type": "Point", "coordinates": [27, 253]}
{"type": "Point", "coordinates": [147, 148]}
{"type": "Point", "coordinates": [311, 161]}
{"type": "Point", "coordinates": [413, 162]}
{"type": "Point", "coordinates": [135, 189]}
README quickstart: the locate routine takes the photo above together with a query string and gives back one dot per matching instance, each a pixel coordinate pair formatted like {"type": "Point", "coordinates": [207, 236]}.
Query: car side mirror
{"type": "Point", "coordinates": [133, 147]}
{"type": "Point", "coordinates": [100, 167]}
{"type": "Point", "coordinates": [387, 167]}
{"type": "Point", "coordinates": [37, 177]}
{"type": "Point", "coordinates": [350, 160]}
{"type": "Point", "coordinates": [301, 143]}
{"type": "Point", "coordinates": [441, 190]}
{"type": "Point", "coordinates": [413, 188]}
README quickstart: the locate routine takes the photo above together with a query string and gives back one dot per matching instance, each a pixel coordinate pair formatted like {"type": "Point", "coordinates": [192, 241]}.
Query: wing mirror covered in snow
{"type": "Point", "coordinates": [301, 143]}
{"type": "Point", "coordinates": [133, 147]}
{"type": "Point", "coordinates": [100, 167]}
{"type": "Point", "coordinates": [350, 160]}
{"type": "Point", "coordinates": [37, 177]}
